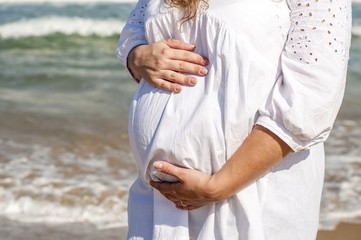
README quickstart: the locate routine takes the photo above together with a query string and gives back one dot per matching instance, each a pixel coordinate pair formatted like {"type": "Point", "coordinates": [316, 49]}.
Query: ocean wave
{"type": "Point", "coordinates": [75, 25]}
{"type": "Point", "coordinates": [54, 24]}
{"type": "Point", "coordinates": [356, 30]}
{"type": "Point", "coordinates": [341, 195]}
{"type": "Point", "coordinates": [43, 184]}
{"type": "Point", "coordinates": [342, 192]}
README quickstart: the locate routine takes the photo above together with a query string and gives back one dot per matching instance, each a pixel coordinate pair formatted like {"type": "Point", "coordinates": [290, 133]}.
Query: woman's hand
{"type": "Point", "coordinates": [192, 191]}
{"type": "Point", "coordinates": [163, 63]}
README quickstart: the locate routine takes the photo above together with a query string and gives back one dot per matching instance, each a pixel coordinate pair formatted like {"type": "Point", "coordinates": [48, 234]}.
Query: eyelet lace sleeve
{"type": "Point", "coordinates": [306, 98]}
{"type": "Point", "coordinates": [132, 34]}
{"type": "Point", "coordinates": [318, 24]}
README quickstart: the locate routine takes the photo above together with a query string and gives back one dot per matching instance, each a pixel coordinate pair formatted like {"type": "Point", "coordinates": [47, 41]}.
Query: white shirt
{"type": "Point", "coordinates": [279, 64]}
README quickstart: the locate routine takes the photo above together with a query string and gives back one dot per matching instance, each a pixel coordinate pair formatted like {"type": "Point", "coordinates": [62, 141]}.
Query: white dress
{"type": "Point", "coordinates": [278, 64]}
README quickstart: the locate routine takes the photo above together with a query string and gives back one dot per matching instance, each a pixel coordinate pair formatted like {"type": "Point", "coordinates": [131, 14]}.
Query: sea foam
{"type": "Point", "coordinates": [75, 25]}
{"type": "Point", "coordinates": [356, 30]}
{"type": "Point", "coordinates": [66, 25]}
{"type": "Point", "coordinates": [38, 185]}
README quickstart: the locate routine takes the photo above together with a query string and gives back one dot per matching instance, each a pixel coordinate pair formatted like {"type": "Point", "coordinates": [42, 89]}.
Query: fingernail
{"type": "Point", "coordinates": [205, 61]}
{"type": "Point", "coordinates": [193, 81]}
{"type": "Point", "coordinates": [177, 89]}
{"type": "Point", "coordinates": [158, 165]}
{"type": "Point", "coordinates": [204, 71]}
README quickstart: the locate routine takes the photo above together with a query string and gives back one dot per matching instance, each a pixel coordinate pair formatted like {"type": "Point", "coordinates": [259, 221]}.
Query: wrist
{"type": "Point", "coordinates": [133, 62]}
{"type": "Point", "coordinates": [216, 189]}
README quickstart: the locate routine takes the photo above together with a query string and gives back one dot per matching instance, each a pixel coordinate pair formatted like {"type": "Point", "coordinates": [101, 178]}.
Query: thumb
{"type": "Point", "coordinates": [169, 169]}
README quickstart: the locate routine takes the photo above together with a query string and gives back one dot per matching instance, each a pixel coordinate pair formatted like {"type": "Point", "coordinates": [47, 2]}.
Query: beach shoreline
{"type": "Point", "coordinates": [343, 231]}
{"type": "Point", "coordinates": [15, 230]}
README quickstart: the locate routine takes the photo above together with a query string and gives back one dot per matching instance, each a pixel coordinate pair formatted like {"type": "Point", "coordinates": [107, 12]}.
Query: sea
{"type": "Point", "coordinates": [64, 152]}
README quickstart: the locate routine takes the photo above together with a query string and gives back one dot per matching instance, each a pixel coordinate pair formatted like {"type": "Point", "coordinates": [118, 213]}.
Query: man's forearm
{"type": "Point", "coordinates": [261, 150]}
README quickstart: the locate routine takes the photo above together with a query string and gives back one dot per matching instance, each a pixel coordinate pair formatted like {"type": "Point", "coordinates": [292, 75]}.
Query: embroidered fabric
{"type": "Point", "coordinates": [309, 32]}
{"type": "Point", "coordinates": [298, 101]}
{"type": "Point", "coordinates": [319, 26]}
{"type": "Point", "coordinates": [137, 16]}
{"type": "Point", "coordinates": [132, 34]}
{"type": "Point", "coordinates": [318, 37]}
{"type": "Point", "coordinates": [304, 103]}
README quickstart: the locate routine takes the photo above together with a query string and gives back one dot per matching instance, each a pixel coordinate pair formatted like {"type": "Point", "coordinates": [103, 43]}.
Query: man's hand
{"type": "Point", "coordinates": [192, 191]}
{"type": "Point", "coordinates": [261, 150]}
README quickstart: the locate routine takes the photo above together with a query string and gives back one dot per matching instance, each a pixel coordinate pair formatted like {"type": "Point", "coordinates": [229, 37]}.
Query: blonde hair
{"type": "Point", "coordinates": [189, 7]}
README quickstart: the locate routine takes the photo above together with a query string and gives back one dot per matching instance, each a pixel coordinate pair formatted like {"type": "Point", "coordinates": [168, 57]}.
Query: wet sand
{"type": "Point", "coordinates": [344, 231]}
{"type": "Point", "coordinates": [13, 230]}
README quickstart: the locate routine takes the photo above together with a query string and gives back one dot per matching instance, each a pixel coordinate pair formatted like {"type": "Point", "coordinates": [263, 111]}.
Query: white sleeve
{"type": "Point", "coordinates": [305, 100]}
{"type": "Point", "coordinates": [132, 34]}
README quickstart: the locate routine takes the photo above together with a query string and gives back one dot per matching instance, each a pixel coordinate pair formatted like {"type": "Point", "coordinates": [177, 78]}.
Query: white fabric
{"type": "Point", "coordinates": [274, 63]}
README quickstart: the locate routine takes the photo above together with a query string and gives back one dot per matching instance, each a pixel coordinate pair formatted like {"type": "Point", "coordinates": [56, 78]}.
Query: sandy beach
{"type": "Point", "coordinates": [14, 230]}
{"type": "Point", "coordinates": [344, 231]}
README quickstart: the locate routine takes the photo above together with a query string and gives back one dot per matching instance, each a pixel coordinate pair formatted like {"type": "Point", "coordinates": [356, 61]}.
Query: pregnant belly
{"type": "Point", "coordinates": [184, 129]}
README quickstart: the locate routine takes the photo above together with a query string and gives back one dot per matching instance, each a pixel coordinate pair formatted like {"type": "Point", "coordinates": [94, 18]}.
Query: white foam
{"type": "Point", "coordinates": [329, 220]}
{"type": "Point", "coordinates": [342, 191]}
{"type": "Point", "coordinates": [342, 188]}
{"type": "Point", "coordinates": [53, 24]}
{"type": "Point", "coordinates": [356, 30]}
{"type": "Point", "coordinates": [35, 188]}
{"type": "Point", "coordinates": [26, 209]}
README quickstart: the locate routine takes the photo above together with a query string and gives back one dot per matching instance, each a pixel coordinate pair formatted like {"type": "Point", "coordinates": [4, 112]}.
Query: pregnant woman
{"type": "Point", "coordinates": [239, 155]}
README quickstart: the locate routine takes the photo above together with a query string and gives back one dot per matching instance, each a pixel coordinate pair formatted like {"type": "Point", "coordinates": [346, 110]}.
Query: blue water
{"type": "Point", "coordinates": [63, 104]}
